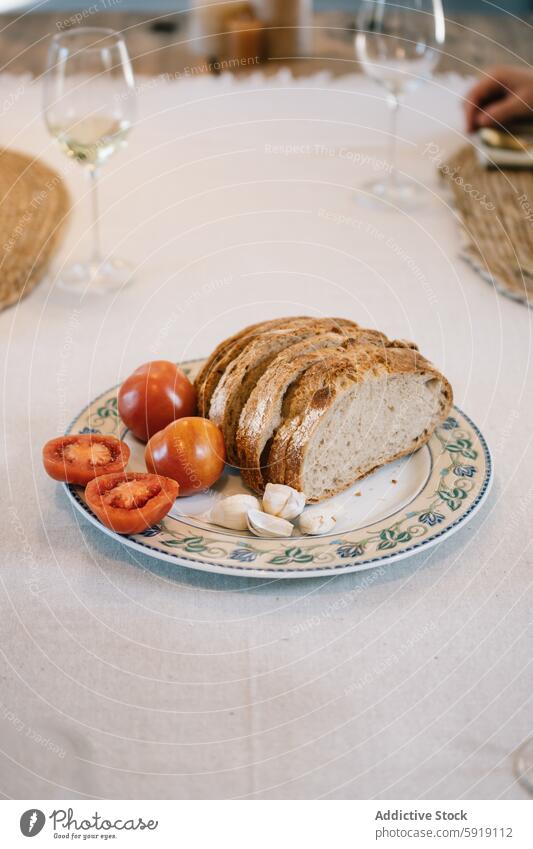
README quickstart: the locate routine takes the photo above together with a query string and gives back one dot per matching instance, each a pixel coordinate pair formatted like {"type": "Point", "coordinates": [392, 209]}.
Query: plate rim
{"type": "Point", "coordinates": [321, 571]}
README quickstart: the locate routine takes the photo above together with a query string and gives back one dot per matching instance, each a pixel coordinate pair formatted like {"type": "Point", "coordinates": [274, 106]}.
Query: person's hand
{"type": "Point", "coordinates": [502, 95]}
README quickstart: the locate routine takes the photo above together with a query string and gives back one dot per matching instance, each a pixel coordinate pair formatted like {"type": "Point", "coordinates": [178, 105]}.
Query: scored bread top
{"type": "Point", "coordinates": [214, 367]}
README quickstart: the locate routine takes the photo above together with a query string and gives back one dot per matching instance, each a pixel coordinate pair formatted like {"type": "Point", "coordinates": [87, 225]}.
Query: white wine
{"type": "Point", "coordinates": [91, 141]}
{"type": "Point", "coordinates": [89, 107]}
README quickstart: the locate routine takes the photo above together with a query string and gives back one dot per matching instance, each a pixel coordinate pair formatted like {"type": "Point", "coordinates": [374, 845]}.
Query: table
{"type": "Point", "coordinates": [123, 677]}
{"type": "Point", "coordinates": [472, 41]}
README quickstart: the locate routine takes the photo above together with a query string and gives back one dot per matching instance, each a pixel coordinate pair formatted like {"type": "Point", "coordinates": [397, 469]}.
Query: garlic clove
{"type": "Point", "coordinates": [274, 498]}
{"type": "Point", "coordinates": [231, 512]}
{"type": "Point", "coordinates": [283, 501]}
{"type": "Point", "coordinates": [264, 525]}
{"type": "Point", "coordinates": [316, 522]}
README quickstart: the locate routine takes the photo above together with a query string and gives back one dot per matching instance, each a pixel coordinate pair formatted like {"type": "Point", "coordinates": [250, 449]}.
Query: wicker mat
{"type": "Point", "coordinates": [33, 208]}
{"type": "Point", "coordinates": [496, 211]}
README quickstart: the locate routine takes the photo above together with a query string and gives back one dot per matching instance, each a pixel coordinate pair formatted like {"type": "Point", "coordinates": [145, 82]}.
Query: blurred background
{"type": "Point", "coordinates": [183, 36]}
{"type": "Point", "coordinates": [349, 5]}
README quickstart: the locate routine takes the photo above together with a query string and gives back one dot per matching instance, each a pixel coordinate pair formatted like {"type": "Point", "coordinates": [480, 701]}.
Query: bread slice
{"type": "Point", "coordinates": [243, 371]}
{"type": "Point", "coordinates": [214, 366]}
{"type": "Point", "coordinates": [262, 413]}
{"type": "Point", "coordinates": [295, 400]}
{"type": "Point", "coordinates": [357, 411]}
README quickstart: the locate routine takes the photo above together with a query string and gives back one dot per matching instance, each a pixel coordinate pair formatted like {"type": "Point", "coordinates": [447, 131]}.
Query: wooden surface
{"type": "Point", "coordinates": [473, 42]}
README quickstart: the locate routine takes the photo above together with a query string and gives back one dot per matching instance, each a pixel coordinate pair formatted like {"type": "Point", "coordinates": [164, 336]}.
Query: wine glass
{"type": "Point", "coordinates": [89, 107]}
{"type": "Point", "coordinates": [397, 44]}
{"type": "Point", "coordinates": [524, 764]}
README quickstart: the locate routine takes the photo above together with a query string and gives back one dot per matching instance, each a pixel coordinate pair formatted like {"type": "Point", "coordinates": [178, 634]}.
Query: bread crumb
{"type": "Point", "coordinates": [394, 481]}
{"type": "Point", "coordinates": [357, 493]}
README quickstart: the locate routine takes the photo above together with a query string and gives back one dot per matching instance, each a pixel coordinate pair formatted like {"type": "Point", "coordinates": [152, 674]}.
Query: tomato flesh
{"type": "Point", "coordinates": [89, 453]}
{"type": "Point", "coordinates": [190, 451]}
{"type": "Point", "coordinates": [131, 502]}
{"type": "Point", "coordinates": [156, 394]}
{"type": "Point", "coordinates": [79, 458]}
{"type": "Point", "coordinates": [131, 493]}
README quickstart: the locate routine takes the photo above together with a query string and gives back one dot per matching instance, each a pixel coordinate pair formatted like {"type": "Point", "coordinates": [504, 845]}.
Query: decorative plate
{"type": "Point", "coordinates": [400, 509]}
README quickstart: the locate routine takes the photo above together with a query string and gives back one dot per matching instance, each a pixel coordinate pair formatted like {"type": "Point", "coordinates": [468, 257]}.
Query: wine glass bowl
{"type": "Point", "coordinates": [398, 48]}
{"type": "Point", "coordinates": [89, 108]}
{"type": "Point", "coordinates": [397, 45]}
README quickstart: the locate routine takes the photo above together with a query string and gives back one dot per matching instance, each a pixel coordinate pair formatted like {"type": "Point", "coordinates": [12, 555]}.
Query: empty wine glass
{"type": "Point", "coordinates": [89, 107]}
{"type": "Point", "coordinates": [397, 45]}
{"type": "Point", "coordinates": [524, 764]}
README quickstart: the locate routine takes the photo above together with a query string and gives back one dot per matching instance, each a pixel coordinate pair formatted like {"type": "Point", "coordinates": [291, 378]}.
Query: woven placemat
{"type": "Point", "coordinates": [496, 210]}
{"type": "Point", "coordinates": [33, 209]}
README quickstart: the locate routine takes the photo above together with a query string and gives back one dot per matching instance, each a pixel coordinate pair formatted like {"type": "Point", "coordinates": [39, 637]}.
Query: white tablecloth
{"type": "Point", "coordinates": [125, 677]}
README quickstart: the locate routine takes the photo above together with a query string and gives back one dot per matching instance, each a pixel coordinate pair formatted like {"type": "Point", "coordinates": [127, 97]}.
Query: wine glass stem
{"type": "Point", "coordinates": [394, 106]}
{"type": "Point", "coordinates": [96, 256]}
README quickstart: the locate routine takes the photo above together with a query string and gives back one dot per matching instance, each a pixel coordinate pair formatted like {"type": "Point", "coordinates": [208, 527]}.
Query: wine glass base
{"type": "Point", "coordinates": [402, 193]}
{"type": "Point", "coordinates": [524, 765]}
{"type": "Point", "coordinates": [96, 277]}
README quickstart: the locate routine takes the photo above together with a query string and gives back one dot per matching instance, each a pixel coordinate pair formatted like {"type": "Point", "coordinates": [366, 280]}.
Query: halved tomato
{"type": "Point", "coordinates": [81, 457]}
{"type": "Point", "coordinates": [130, 502]}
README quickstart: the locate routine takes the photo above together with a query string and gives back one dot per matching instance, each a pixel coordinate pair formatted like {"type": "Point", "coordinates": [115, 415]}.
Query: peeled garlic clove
{"type": "Point", "coordinates": [283, 501]}
{"type": "Point", "coordinates": [315, 522]}
{"type": "Point", "coordinates": [264, 525]}
{"type": "Point", "coordinates": [231, 512]}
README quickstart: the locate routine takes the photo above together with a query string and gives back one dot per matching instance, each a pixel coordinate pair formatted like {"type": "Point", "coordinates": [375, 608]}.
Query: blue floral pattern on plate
{"type": "Point", "coordinates": [464, 471]}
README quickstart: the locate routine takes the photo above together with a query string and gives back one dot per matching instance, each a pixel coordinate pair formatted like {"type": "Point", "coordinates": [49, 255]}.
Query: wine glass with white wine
{"type": "Point", "coordinates": [89, 107]}
{"type": "Point", "coordinates": [397, 44]}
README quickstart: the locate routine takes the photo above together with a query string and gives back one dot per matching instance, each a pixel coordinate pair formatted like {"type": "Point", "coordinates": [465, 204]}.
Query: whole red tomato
{"type": "Point", "coordinates": [156, 394]}
{"type": "Point", "coordinates": [190, 451]}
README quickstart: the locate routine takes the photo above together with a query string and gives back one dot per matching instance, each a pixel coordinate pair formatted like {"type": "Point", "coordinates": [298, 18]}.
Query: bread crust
{"type": "Point", "coordinates": [211, 372]}
{"type": "Point", "coordinates": [261, 415]}
{"type": "Point", "coordinates": [212, 369]}
{"type": "Point", "coordinates": [287, 457]}
{"type": "Point", "coordinates": [246, 367]}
